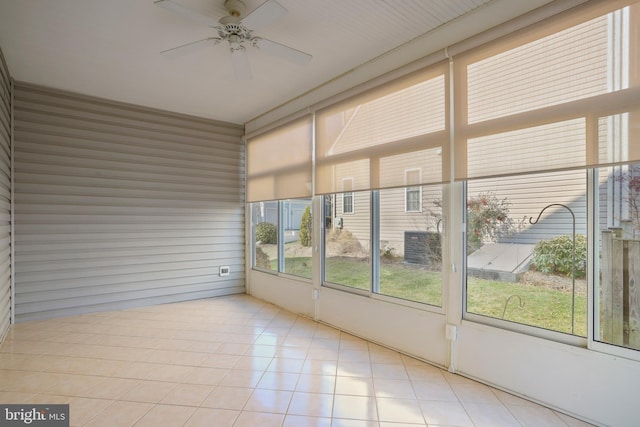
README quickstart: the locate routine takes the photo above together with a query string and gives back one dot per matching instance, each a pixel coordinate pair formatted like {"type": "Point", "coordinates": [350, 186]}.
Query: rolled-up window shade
{"type": "Point", "coordinates": [375, 136]}
{"type": "Point", "coordinates": [279, 162]}
{"type": "Point", "coordinates": [559, 95]}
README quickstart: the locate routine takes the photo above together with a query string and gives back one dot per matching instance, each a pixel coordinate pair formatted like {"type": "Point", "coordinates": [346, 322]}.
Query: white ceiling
{"type": "Point", "coordinates": [110, 48]}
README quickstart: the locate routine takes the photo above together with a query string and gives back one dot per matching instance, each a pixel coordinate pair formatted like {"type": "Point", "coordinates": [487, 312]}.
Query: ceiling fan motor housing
{"type": "Point", "coordinates": [234, 32]}
{"type": "Point", "coordinates": [231, 27]}
{"type": "Point", "coordinates": [235, 7]}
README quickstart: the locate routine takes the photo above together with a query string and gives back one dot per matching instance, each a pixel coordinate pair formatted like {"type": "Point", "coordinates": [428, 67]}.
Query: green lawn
{"type": "Point", "coordinates": [542, 306]}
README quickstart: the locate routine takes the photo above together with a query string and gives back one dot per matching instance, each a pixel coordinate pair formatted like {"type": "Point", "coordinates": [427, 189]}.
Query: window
{"type": "Point", "coordinates": [273, 175]}
{"type": "Point", "coordinates": [347, 196]}
{"type": "Point", "coordinates": [282, 232]}
{"type": "Point", "coordinates": [347, 203]}
{"type": "Point", "coordinates": [264, 224]}
{"type": "Point", "coordinates": [528, 132]}
{"type": "Point", "coordinates": [410, 261]}
{"type": "Point", "coordinates": [297, 228]}
{"type": "Point", "coordinates": [347, 245]}
{"type": "Point", "coordinates": [412, 195]}
{"type": "Point", "coordinates": [373, 153]}
{"type": "Point", "coordinates": [413, 199]}
{"type": "Point", "coordinates": [526, 250]}
{"type": "Point", "coordinates": [617, 231]}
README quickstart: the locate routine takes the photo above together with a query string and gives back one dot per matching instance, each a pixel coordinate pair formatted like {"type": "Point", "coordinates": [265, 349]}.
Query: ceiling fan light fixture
{"type": "Point", "coordinates": [240, 62]}
{"type": "Point", "coordinates": [235, 44]}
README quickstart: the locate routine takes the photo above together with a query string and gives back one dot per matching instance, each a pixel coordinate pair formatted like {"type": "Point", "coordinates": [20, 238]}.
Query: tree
{"type": "Point", "coordinates": [306, 227]}
{"type": "Point", "coordinates": [633, 199]}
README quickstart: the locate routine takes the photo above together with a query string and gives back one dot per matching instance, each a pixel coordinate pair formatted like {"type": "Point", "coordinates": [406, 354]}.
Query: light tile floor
{"type": "Point", "coordinates": [237, 361]}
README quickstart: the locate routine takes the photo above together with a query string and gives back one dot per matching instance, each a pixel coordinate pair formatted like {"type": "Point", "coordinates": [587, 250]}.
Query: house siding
{"type": "Point", "coordinates": [121, 206]}
{"type": "Point", "coordinates": [5, 198]}
{"type": "Point", "coordinates": [395, 221]}
{"type": "Point", "coordinates": [527, 196]}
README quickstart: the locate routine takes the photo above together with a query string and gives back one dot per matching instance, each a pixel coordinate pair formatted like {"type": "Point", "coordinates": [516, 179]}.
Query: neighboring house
{"type": "Point", "coordinates": [294, 209]}
{"type": "Point", "coordinates": [412, 208]}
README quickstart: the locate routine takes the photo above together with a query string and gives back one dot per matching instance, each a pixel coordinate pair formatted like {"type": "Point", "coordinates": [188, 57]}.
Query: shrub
{"type": "Point", "coordinates": [343, 242]}
{"type": "Point", "coordinates": [306, 226]}
{"type": "Point", "coordinates": [487, 219]}
{"type": "Point", "coordinates": [387, 253]}
{"type": "Point", "coordinates": [266, 233]}
{"type": "Point", "coordinates": [262, 259]}
{"type": "Point", "coordinates": [555, 255]}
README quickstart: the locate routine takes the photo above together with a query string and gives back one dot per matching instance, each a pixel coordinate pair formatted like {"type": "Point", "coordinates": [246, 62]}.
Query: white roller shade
{"type": "Point", "coordinates": [377, 135]}
{"type": "Point", "coordinates": [279, 162]}
{"type": "Point", "coordinates": [558, 95]}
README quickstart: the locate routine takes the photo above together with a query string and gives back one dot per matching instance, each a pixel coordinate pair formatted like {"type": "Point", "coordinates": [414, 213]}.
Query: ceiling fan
{"type": "Point", "coordinates": [237, 31]}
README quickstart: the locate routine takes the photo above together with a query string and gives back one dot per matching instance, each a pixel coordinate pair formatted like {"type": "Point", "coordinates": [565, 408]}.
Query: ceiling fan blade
{"type": "Point", "coordinates": [285, 52]}
{"type": "Point", "coordinates": [268, 12]}
{"type": "Point", "coordinates": [186, 12]}
{"type": "Point", "coordinates": [185, 49]}
{"type": "Point", "coordinates": [240, 61]}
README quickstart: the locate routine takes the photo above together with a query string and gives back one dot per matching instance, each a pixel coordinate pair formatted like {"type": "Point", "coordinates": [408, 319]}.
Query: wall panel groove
{"type": "Point", "coordinates": [121, 206]}
{"type": "Point", "coordinates": [5, 199]}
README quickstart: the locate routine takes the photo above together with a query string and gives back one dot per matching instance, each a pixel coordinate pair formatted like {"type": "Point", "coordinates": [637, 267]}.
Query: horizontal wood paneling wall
{"type": "Point", "coordinates": [5, 198]}
{"type": "Point", "coordinates": [120, 206]}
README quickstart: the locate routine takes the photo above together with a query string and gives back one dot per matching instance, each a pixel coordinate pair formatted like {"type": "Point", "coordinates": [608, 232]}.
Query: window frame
{"type": "Point", "coordinates": [374, 263]}
{"type": "Point", "coordinates": [253, 225]}
{"type": "Point", "coordinates": [348, 193]}
{"type": "Point", "coordinates": [281, 260]}
{"type": "Point", "coordinates": [526, 329]}
{"type": "Point", "coordinates": [594, 280]}
{"type": "Point", "coordinates": [413, 189]}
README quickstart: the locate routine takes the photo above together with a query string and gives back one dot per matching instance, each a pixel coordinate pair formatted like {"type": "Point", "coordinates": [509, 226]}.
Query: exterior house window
{"type": "Point", "coordinates": [413, 195]}
{"type": "Point", "coordinates": [347, 196]}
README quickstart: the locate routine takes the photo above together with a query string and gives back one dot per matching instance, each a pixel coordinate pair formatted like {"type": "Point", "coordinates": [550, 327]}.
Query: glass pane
{"type": "Point", "coordinates": [526, 250]}
{"type": "Point", "coordinates": [265, 234]}
{"type": "Point", "coordinates": [617, 319]}
{"type": "Point", "coordinates": [410, 245]}
{"type": "Point", "coordinates": [297, 231]}
{"type": "Point", "coordinates": [413, 199]}
{"type": "Point", "coordinates": [348, 241]}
